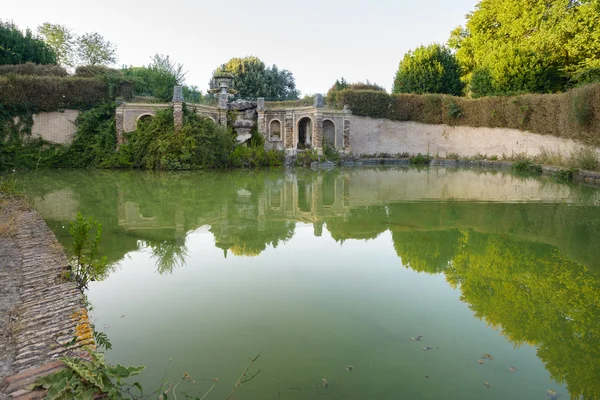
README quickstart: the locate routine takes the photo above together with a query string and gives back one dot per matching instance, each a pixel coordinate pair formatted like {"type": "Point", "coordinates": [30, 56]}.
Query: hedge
{"type": "Point", "coordinates": [51, 93]}
{"type": "Point", "coordinates": [574, 114]}
{"type": "Point", "coordinates": [33, 69]}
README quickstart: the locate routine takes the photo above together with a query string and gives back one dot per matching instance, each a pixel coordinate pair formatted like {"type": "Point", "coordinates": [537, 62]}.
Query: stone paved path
{"type": "Point", "coordinates": [39, 310]}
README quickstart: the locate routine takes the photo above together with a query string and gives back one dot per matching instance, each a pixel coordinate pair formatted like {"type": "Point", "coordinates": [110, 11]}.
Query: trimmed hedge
{"type": "Point", "coordinates": [574, 114]}
{"type": "Point", "coordinates": [33, 69]}
{"type": "Point", "coordinates": [51, 93]}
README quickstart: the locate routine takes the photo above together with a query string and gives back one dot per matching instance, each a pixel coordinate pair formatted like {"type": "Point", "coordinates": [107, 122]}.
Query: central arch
{"type": "Point", "coordinates": [305, 125]}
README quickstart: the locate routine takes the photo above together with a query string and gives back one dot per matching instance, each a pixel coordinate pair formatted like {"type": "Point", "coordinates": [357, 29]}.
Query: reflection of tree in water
{"type": "Point", "coordinates": [169, 254]}
{"type": "Point", "coordinates": [359, 223]}
{"type": "Point", "coordinates": [245, 239]}
{"type": "Point", "coordinates": [529, 290]}
{"type": "Point", "coordinates": [426, 251]}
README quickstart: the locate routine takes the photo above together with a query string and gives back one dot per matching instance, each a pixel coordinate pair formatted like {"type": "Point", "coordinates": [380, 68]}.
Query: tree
{"type": "Point", "coordinates": [93, 49]}
{"type": "Point", "coordinates": [159, 77]}
{"type": "Point", "coordinates": [17, 47]}
{"type": "Point", "coordinates": [528, 46]}
{"type": "Point", "coordinates": [431, 69]}
{"type": "Point", "coordinates": [252, 79]}
{"type": "Point", "coordinates": [61, 40]}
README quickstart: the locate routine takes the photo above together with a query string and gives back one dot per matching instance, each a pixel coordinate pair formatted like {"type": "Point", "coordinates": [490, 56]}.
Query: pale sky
{"type": "Point", "coordinates": [319, 41]}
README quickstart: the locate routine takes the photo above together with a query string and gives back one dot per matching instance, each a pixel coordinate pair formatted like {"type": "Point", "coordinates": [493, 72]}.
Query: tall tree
{"type": "Point", "coordinates": [93, 49]}
{"type": "Point", "coordinates": [18, 47]}
{"type": "Point", "coordinates": [252, 79]}
{"type": "Point", "coordinates": [431, 69]}
{"type": "Point", "coordinates": [528, 46]}
{"type": "Point", "coordinates": [61, 40]}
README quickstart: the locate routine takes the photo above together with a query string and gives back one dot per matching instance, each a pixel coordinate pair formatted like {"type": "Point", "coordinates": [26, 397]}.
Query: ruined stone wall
{"type": "Point", "coordinates": [56, 127]}
{"type": "Point", "coordinates": [371, 135]}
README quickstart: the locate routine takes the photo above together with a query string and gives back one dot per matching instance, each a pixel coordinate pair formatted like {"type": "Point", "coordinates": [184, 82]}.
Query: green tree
{"type": "Point", "coordinates": [528, 46]}
{"type": "Point", "coordinates": [61, 40]}
{"type": "Point", "coordinates": [93, 49]}
{"type": "Point", "coordinates": [431, 69]}
{"type": "Point", "coordinates": [253, 79]}
{"type": "Point", "coordinates": [18, 47]}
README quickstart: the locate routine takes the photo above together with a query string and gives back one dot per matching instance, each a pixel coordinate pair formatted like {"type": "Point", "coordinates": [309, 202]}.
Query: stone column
{"type": "Point", "coordinates": [347, 148]}
{"type": "Point", "coordinates": [289, 133]}
{"type": "Point", "coordinates": [120, 129]}
{"type": "Point", "coordinates": [178, 107]}
{"type": "Point", "coordinates": [318, 133]}
{"type": "Point", "coordinates": [261, 118]}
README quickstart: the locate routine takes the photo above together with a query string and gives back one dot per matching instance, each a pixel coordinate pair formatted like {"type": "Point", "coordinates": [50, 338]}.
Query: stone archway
{"type": "Point", "coordinates": [144, 119]}
{"type": "Point", "coordinates": [305, 128]}
{"type": "Point", "coordinates": [329, 133]}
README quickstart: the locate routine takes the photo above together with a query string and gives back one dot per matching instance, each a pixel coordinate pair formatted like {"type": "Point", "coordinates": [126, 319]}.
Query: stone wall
{"type": "Point", "coordinates": [370, 136]}
{"type": "Point", "coordinates": [57, 127]}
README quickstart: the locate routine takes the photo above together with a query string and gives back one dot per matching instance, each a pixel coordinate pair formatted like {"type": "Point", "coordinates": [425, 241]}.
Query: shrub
{"type": "Point", "coordinates": [420, 159]}
{"type": "Point", "coordinates": [30, 68]}
{"type": "Point", "coordinates": [526, 166]}
{"type": "Point", "coordinates": [51, 93]}
{"type": "Point", "coordinates": [368, 103]}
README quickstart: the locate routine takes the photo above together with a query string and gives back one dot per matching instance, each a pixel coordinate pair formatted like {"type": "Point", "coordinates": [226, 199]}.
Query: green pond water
{"type": "Point", "coordinates": [317, 271]}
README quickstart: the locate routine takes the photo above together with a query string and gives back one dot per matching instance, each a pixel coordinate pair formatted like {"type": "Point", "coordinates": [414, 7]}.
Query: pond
{"type": "Point", "coordinates": [497, 275]}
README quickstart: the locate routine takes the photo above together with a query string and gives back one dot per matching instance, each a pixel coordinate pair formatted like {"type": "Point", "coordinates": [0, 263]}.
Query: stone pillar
{"type": "Point", "coordinates": [289, 132]}
{"type": "Point", "coordinates": [317, 133]}
{"type": "Point", "coordinates": [120, 129]}
{"type": "Point", "coordinates": [347, 148]}
{"type": "Point", "coordinates": [318, 101]}
{"type": "Point", "coordinates": [178, 107]}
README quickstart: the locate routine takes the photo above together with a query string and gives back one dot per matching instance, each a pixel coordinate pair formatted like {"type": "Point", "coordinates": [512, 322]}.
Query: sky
{"type": "Point", "coordinates": [319, 41]}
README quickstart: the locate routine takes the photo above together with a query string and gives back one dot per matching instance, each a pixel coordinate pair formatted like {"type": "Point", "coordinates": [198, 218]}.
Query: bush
{"type": "Point", "coordinates": [51, 93]}
{"type": "Point", "coordinates": [574, 114]}
{"type": "Point", "coordinates": [367, 103]}
{"type": "Point", "coordinates": [420, 159]}
{"type": "Point", "coordinates": [526, 167]}
{"type": "Point", "coordinates": [30, 68]}
{"type": "Point", "coordinates": [199, 144]}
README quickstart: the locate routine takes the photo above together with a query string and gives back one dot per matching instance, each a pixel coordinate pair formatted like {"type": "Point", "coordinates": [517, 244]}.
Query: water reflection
{"type": "Point", "coordinates": [524, 252]}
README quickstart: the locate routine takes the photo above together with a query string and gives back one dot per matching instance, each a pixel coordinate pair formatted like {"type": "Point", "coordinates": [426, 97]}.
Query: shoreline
{"type": "Point", "coordinates": [42, 311]}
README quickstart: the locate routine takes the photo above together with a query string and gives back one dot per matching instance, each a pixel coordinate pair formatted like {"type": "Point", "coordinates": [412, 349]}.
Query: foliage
{"type": "Point", "coordinates": [533, 46]}
{"type": "Point", "coordinates": [93, 49]}
{"type": "Point", "coordinates": [87, 377]}
{"type": "Point", "coordinates": [420, 159]}
{"type": "Point", "coordinates": [526, 166]}
{"type": "Point", "coordinates": [61, 40]}
{"type": "Point", "coordinates": [564, 175]}
{"type": "Point", "coordinates": [30, 68]}
{"type": "Point", "coordinates": [18, 47]}
{"type": "Point", "coordinates": [369, 103]}
{"type": "Point", "coordinates": [253, 79]}
{"type": "Point", "coordinates": [199, 144]}
{"type": "Point", "coordinates": [572, 115]}
{"type": "Point", "coordinates": [331, 98]}
{"type": "Point", "coordinates": [51, 93]}
{"type": "Point", "coordinates": [94, 142]}
{"type": "Point", "coordinates": [431, 69]}
{"type": "Point", "coordinates": [254, 157]}
{"type": "Point", "coordinates": [306, 157]}
{"type": "Point", "coordinates": [158, 79]}
{"type": "Point", "coordinates": [88, 265]}
{"type": "Point", "coordinates": [305, 101]}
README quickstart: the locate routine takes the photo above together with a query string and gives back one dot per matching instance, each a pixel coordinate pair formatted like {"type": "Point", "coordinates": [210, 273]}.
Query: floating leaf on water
{"type": "Point", "coordinates": [513, 369]}
{"type": "Point", "coordinates": [487, 385]}
{"type": "Point", "coordinates": [480, 362]}
{"type": "Point", "coordinates": [324, 383]}
{"type": "Point", "coordinates": [349, 368]}
{"type": "Point", "coordinates": [488, 356]}
{"type": "Point", "coordinates": [426, 348]}
{"type": "Point", "coordinates": [552, 395]}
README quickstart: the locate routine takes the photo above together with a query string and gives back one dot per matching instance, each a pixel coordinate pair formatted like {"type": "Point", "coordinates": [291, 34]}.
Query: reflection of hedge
{"type": "Point", "coordinates": [33, 69]}
{"type": "Point", "coordinates": [51, 93]}
{"type": "Point", "coordinates": [574, 114]}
